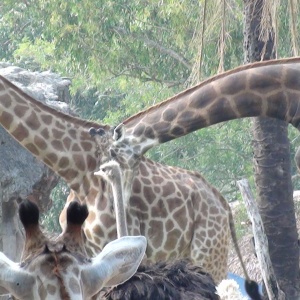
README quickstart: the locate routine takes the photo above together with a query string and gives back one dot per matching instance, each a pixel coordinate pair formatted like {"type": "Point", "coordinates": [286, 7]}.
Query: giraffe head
{"type": "Point", "coordinates": [103, 139]}
{"type": "Point", "coordinates": [119, 147]}
{"type": "Point", "coordinates": [125, 148]}
{"type": "Point", "coordinates": [120, 150]}
{"type": "Point", "coordinates": [59, 268]}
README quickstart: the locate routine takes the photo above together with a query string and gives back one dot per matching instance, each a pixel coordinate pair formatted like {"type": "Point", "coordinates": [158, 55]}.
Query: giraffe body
{"type": "Point", "coordinates": [157, 280]}
{"type": "Point", "coordinates": [189, 199]}
{"type": "Point", "coordinates": [113, 174]}
{"type": "Point", "coordinates": [191, 216]}
{"type": "Point", "coordinates": [59, 268]}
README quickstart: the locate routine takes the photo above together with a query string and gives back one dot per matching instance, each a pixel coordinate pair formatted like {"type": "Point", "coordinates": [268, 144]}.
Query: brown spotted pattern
{"type": "Point", "coordinates": [268, 88]}
{"type": "Point", "coordinates": [180, 214]}
{"type": "Point", "coordinates": [60, 141]}
{"type": "Point", "coordinates": [173, 216]}
{"type": "Point", "coordinates": [189, 218]}
{"type": "Point", "coordinates": [263, 89]}
{"type": "Point", "coordinates": [64, 144]}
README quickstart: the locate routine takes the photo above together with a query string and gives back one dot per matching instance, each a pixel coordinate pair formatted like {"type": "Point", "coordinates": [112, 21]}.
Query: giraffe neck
{"type": "Point", "coordinates": [119, 205]}
{"type": "Point", "coordinates": [61, 141]}
{"type": "Point", "coordinates": [111, 172]}
{"type": "Point", "coordinates": [268, 89]}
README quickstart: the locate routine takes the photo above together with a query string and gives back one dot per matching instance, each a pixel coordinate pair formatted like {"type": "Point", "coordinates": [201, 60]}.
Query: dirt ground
{"type": "Point", "coordinates": [246, 246]}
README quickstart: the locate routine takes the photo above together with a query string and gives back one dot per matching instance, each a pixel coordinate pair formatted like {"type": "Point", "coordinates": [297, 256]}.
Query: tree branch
{"type": "Point", "coordinates": [155, 45]}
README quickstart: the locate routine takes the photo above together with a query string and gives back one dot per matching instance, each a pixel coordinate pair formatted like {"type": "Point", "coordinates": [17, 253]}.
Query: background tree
{"type": "Point", "coordinates": [272, 163]}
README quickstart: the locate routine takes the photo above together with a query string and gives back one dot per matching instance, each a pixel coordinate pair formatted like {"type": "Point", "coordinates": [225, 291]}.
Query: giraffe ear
{"type": "Point", "coordinates": [14, 280]}
{"type": "Point", "coordinates": [119, 132]}
{"type": "Point", "coordinates": [117, 262]}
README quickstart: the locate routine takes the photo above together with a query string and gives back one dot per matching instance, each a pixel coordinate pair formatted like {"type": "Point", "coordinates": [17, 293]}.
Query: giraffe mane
{"type": "Point", "coordinates": [62, 287]}
{"type": "Point", "coordinates": [212, 79]}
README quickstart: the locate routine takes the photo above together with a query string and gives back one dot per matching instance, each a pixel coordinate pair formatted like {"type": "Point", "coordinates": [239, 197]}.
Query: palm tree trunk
{"type": "Point", "coordinates": [272, 167]}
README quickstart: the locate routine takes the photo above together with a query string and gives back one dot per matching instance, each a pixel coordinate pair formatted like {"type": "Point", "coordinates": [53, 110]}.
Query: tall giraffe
{"type": "Point", "coordinates": [60, 268]}
{"type": "Point", "coordinates": [180, 214]}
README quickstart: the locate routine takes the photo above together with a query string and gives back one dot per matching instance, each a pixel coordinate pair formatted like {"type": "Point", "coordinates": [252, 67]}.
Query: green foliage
{"type": "Point", "coordinates": [34, 56]}
{"type": "Point", "coordinates": [50, 218]}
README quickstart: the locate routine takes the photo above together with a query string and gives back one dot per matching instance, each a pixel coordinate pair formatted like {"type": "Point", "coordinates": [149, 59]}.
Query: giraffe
{"type": "Point", "coordinates": [65, 145]}
{"type": "Point", "coordinates": [153, 281]}
{"type": "Point", "coordinates": [269, 88]}
{"type": "Point", "coordinates": [177, 210]}
{"type": "Point", "coordinates": [113, 174]}
{"type": "Point", "coordinates": [59, 268]}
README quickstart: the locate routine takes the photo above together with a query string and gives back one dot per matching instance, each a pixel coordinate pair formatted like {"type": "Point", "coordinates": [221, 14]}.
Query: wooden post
{"type": "Point", "coordinates": [261, 243]}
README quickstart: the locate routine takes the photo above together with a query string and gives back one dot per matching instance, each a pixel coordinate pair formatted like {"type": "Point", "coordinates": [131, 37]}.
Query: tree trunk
{"type": "Point", "coordinates": [272, 168]}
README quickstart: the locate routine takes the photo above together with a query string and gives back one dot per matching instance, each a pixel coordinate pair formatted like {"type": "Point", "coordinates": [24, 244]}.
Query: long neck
{"type": "Point", "coordinates": [119, 206]}
{"type": "Point", "coordinates": [61, 141]}
{"type": "Point", "coordinates": [269, 89]}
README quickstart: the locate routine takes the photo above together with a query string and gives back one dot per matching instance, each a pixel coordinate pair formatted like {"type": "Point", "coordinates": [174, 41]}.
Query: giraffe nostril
{"type": "Point", "coordinates": [113, 153]}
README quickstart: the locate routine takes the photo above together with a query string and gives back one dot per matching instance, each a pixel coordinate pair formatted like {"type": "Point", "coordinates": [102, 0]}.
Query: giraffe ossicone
{"type": "Point", "coordinates": [59, 268]}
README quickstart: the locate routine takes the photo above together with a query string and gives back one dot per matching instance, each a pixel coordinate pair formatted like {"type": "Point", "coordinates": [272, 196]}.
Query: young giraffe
{"type": "Point", "coordinates": [180, 214]}
{"type": "Point", "coordinates": [60, 268]}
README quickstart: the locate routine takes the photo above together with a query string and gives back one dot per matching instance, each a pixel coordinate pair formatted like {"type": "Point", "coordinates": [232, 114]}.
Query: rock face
{"type": "Point", "coordinates": [22, 175]}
